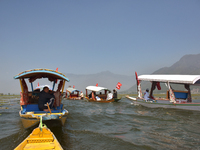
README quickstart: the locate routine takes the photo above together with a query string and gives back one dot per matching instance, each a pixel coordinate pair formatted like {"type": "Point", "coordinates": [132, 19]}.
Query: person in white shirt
{"type": "Point", "coordinates": [109, 96]}
{"type": "Point", "coordinates": [146, 94]}
{"type": "Point", "coordinates": [81, 95]}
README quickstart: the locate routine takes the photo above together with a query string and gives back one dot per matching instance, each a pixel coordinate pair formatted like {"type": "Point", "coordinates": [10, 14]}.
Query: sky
{"type": "Point", "coordinates": [91, 36]}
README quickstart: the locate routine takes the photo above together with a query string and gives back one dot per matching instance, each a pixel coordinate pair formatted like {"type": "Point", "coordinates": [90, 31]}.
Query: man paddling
{"type": "Point", "coordinates": [44, 98]}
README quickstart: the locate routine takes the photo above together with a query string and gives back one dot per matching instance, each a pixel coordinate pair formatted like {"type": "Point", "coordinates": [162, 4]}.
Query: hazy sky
{"type": "Point", "coordinates": [90, 36]}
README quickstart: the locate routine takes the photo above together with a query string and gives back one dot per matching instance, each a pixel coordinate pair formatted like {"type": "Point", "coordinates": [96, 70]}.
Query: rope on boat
{"type": "Point", "coordinates": [41, 126]}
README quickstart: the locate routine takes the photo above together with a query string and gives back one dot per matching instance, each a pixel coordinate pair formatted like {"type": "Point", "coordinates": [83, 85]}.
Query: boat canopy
{"type": "Point", "coordinates": [34, 74]}
{"type": "Point", "coordinates": [71, 90]}
{"type": "Point", "coordinates": [96, 88]}
{"type": "Point", "coordinates": [181, 79]}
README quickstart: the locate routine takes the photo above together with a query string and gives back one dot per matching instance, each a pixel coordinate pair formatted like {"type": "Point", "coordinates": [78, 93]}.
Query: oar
{"type": "Point", "coordinates": [49, 108]}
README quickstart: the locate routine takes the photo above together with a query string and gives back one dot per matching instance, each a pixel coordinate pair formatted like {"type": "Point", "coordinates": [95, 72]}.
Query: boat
{"type": "Point", "coordinates": [72, 94]}
{"type": "Point", "coordinates": [178, 99]}
{"type": "Point", "coordinates": [29, 112]}
{"type": "Point", "coordinates": [41, 138]}
{"type": "Point", "coordinates": [102, 96]}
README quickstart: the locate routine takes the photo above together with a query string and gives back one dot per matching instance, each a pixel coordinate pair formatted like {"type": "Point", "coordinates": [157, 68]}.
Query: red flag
{"type": "Point", "coordinates": [73, 86]}
{"type": "Point", "coordinates": [97, 84]}
{"type": "Point", "coordinates": [56, 69]}
{"type": "Point", "coordinates": [138, 82]}
{"type": "Point", "coordinates": [38, 84]}
{"type": "Point", "coordinates": [118, 86]}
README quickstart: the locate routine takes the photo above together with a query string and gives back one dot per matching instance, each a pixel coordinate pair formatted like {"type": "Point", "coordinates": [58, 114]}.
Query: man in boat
{"type": "Point", "coordinates": [44, 98]}
{"type": "Point", "coordinates": [146, 94]}
{"type": "Point", "coordinates": [114, 93]}
{"type": "Point", "coordinates": [109, 96]}
{"type": "Point", "coordinates": [81, 95]}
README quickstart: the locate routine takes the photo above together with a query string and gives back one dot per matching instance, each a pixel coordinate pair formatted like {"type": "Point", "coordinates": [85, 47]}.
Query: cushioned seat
{"type": "Point", "coordinates": [35, 108]}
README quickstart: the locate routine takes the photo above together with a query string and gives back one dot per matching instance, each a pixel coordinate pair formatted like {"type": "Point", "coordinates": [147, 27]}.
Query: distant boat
{"type": "Point", "coordinates": [40, 139]}
{"type": "Point", "coordinates": [73, 94]}
{"type": "Point", "coordinates": [174, 98]}
{"type": "Point", "coordinates": [30, 112]}
{"type": "Point", "coordinates": [101, 94]}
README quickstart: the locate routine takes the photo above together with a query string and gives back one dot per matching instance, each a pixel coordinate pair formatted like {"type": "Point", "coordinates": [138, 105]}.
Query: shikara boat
{"type": "Point", "coordinates": [103, 96]}
{"type": "Point", "coordinates": [40, 139]}
{"type": "Point", "coordinates": [73, 94]}
{"type": "Point", "coordinates": [30, 113]}
{"type": "Point", "coordinates": [179, 99]}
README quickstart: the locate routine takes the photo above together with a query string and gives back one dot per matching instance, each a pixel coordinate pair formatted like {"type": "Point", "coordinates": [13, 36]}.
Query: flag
{"type": "Point", "coordinates": [118, 86]}
{"type": "Point", "coordinates": [138, 82]}
{"type": "Point", "coordinates": [97, 84]}
{"type": "Point", "coordinates": [38, 84]}
{"type": "Point", "coordinates": [56, 69]}
{"type": "Point", "coordinates": [73, 86]}
{"type": "Point", "coordinates": [158, 85]}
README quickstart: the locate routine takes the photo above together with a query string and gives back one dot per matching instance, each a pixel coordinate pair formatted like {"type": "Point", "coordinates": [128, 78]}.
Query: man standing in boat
{"type": "Point", "coordinates": [109, 96]}
{"type": "Point", "coordinates": [44, 98]}
{"type": "Point", "coordinates": [114, 93]}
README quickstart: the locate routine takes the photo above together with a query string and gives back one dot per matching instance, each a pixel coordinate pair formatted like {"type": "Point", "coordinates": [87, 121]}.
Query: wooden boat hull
{"type": "Point", "coordinates": [165, 104]}
{"type": "Point", "coordinates": [32, 119]}
{"type": "Point", "coordinates": [104, 101]}
{"type": "Point", "coordinates": [40, 140]}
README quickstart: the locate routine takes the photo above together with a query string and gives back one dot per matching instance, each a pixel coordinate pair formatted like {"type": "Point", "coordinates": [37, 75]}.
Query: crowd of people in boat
{"type": "Point", "coordinates": [100, 96]}
{"type": "Point", "coordinates": [49, 99]}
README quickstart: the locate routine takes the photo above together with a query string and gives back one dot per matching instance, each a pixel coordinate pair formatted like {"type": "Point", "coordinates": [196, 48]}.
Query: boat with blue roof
{"type": "Point", "coordinates": [30, 113]}
{"type": "Point", "coordinates": [73, 94]}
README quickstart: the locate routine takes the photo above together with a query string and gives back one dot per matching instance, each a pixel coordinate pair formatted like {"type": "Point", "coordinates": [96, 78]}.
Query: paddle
{"type": "Point", "coordinates": [49, 108]}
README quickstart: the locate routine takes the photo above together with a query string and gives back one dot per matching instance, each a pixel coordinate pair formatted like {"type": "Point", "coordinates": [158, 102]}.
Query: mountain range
{"type": "Point", "coordinates": [188, 64]}
{"type": "Point", "coordinates": [103, 79]}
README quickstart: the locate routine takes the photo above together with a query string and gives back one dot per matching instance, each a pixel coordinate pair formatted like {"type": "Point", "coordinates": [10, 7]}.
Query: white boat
{"type": "Point", "coordinates": [72, 94]}
{"type": "Point", "coordinates": [174, 98]}
{"type": "Point", "coordinates": [101, 92]}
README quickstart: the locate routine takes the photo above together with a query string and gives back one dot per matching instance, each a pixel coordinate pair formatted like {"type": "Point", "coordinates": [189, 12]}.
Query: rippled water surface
{"type": "Point", "coordinates": [120, 125]}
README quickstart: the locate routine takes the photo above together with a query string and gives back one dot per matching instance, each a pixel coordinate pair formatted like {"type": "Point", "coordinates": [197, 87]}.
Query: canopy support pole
{"type": "Point", "coordinates": [54, 85]}
{"type": "Point", "coordinates": [21, 85]}
{"type": "Point", "coordinates": [32, 86]}
{"type": "Point", "coordinates": [63, 86]}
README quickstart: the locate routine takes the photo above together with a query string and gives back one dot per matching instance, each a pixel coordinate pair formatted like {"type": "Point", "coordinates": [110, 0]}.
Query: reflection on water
{"type": "Point", "coordinates": [120, 125]}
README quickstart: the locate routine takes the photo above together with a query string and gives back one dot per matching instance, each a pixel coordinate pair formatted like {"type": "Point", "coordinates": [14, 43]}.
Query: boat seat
{"type": "Point", "coordinates": [103, 96]}
{"type": "Point", "coordinates": [35, 108]}
{"type": "Point", "coordinates": [179, 94]}
{"type": "Point", "coordinates": [73, 95]}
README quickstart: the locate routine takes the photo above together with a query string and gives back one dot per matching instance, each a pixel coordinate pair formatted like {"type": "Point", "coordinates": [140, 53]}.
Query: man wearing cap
{"type": "Point", "coordinates": [146, 94]}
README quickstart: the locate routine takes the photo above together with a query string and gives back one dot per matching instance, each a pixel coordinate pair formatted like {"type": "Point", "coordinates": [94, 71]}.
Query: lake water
{"type": "Point", "coordinates": [108, 126]}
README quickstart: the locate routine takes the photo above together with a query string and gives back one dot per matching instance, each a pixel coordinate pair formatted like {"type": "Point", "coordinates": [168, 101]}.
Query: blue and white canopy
{"type": "Point", "coordinates": [71, 90]}
{"type": "Point", "coordinates": [41, 73]}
